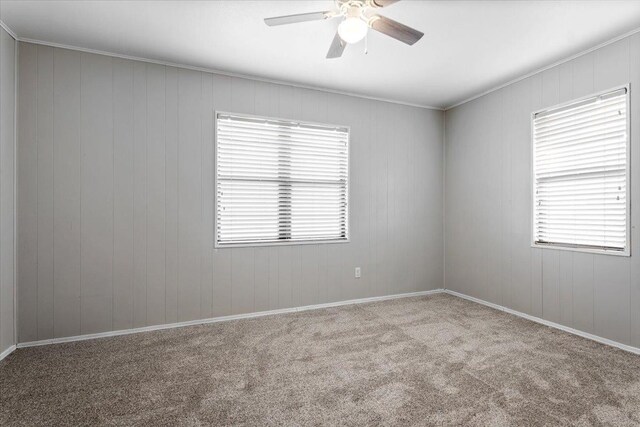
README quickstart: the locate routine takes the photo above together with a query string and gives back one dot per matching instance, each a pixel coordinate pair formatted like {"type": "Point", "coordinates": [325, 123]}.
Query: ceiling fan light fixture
{"type": "Point", "coordinates": [356, 20]}
{"type": "Point", "coordinates": [352, 29]}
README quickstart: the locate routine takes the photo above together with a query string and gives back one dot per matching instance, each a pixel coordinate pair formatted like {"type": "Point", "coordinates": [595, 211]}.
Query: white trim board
{"type": "Point", "coordinates": [7, 352]}
{"type": "Point", "coordinates": [319, 306]}
{"type": "Point", "coordinates": [548, 323]}
{"type": "Point", "coordinates": [222, 319]}
{"type": "Point", "coordinates": [223, 73]}
{"type": "Point", "coordinates": [210, 70]}
{"type": "Point", "coordinates": [281, 82]}
{"type": "Point", "coordinates": [540, 70]}
{"type": "Point", "coordinates": [8, 30]}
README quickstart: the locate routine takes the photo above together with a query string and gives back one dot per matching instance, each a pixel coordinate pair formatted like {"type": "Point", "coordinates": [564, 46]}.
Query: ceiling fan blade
{"type": "Point", "coordinates": [395, 29]}
{"type": "Point", "coordinates": [301, 17]}
{"type": "Point", "coordinates": [337, 47]}
{"type": "Point", "coordinates": [382, 3]}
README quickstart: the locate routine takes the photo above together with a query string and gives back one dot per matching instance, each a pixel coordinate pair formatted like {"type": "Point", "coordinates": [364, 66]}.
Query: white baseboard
{"type": "Point", "coordinates": [7, 352]}
{"type": "Point", "coordinates": [220, 319]}
{"type": "Point", "coordinates": [596, 338]}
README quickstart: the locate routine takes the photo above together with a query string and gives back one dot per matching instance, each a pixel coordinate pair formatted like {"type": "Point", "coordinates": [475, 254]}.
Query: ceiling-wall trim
{"type": "Point", "coordinates": [338, 92]}
{"type": "Point", "coordinates": [210, 70]}
{"type": "Point", "coordinates": [8, 30]}
{"type": "Point", "coordinates": [555, 64]}
{"type": "Point", "coordinates": [223, 73]}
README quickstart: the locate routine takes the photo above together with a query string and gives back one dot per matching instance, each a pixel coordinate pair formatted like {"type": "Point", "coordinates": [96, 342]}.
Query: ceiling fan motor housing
{"type": "Point", "coordinates": [352, 8]}
{"type": "Point", "coordinates": [357, 8]}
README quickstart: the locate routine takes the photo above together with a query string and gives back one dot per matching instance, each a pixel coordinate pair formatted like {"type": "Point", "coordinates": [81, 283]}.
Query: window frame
{"type": "Point", "coordinates": [626, 252]}
{"type": "Point", "coordinates": [287, 242]}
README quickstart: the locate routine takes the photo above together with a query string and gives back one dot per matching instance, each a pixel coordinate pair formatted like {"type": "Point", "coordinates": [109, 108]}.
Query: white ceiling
{"type": "Point", "coordinates": [468, 47]}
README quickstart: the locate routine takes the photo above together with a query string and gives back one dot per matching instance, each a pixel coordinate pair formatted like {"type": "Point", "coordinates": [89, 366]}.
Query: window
{"type": "Point", "coordinates": [280, 181]}
{"type": "Point", "coordinates": [581, 174]}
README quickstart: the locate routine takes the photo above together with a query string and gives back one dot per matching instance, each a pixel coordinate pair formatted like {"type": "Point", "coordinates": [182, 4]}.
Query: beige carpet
{"type": "Point", "coordinates": [436, 360]}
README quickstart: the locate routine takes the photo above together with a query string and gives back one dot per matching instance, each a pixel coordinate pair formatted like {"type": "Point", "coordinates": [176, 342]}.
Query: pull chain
{"type": "Point", "coordinates": [366, 44]}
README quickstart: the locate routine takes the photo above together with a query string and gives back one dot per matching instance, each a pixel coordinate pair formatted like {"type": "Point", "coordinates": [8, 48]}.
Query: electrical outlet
{"type": "Point", "coordinates": [358, 272]}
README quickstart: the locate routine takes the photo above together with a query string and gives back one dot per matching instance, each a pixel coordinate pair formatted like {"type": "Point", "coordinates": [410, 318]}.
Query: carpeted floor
{"type": "Point", "coordinates": [436, 360]}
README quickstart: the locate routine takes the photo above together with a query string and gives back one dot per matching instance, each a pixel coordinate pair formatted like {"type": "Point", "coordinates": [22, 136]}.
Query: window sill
{"type": "Point", "coordinates": [282, 243]}
{"type": "Point", "coordinates": [623, 253]}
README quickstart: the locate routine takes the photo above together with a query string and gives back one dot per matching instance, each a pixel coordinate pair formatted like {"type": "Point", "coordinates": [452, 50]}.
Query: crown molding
{"type": "Point", "coordinates": [8, 30]}
{"type": "Point", "coordinates": [540, 70]}
{"type": "Point", "coordinates": [318, 88]}
{"type": "Point", "coordinates": [223, 73]}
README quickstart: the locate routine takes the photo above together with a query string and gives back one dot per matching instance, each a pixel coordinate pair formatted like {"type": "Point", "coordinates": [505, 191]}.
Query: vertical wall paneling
{"type": "Point", "coordinates": [380, 187]}
{"type": "Point", "coordinates": [123, 194]}
{"type": "Point", "coordinates": [171, 195]}
{"type": "Point", "coordinates": [479, 268]}
{"type": "Point", "coordinates": [431, 239]}
{"type": "Point", "coordinates": [127, 215]}
{"type": "Point", "coordinates": [44, 170]}
{"type": "Point", "coordinates": [375, 203]}
{"type": "Point", "coordinates": [28, 191]}
{"type": "Point", "coordinates": [96, 195]}
{"type": "Point", "coordinates": [189, 193]}
{"type": "Point", "coordinates": [565, 285]}
{"type": "Point", "coordinates": [66, 192]}
{"type": "Point", "coordinates": [7, 193]}
{"type": "Point", "coordinates": [393, 255]}
{"type": "Point", "coordinates": [506, 203]}
{"type": "Point", "coordinates": [156, 196]}
{"type": "Point", "coordinates": [492, 202]}
{"type": "Point", "coordinates": [590, 292]}
{"type": "Point", "coordinates": [139, 194]}
{"type": "Point", "coordinates": [115, 206]}
{"type": "Point", "coordinates": [551, 285]}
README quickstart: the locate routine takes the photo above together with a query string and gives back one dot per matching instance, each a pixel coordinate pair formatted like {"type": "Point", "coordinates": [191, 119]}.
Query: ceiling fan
{"type": "Point", "coordinates": [357, 19]}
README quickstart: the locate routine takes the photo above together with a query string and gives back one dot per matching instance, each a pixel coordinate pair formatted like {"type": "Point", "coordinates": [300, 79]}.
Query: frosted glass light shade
{"type": "Point", "coordinates": [352, 29]}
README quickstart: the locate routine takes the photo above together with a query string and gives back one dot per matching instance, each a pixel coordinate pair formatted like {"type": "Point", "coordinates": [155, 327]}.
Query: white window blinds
{"type": "Point", "coordinates": [581, 172]}
{"type": "Point", "coordinates": [279, 181]}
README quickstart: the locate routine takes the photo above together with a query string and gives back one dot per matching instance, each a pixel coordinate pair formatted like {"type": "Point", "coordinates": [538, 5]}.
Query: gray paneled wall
{"type": "Point", "coordinates": [488, 204]}
{"type": "Point", "coordinates": [7, 160]}
{"type": "Point", "coordinates": [115, 184]}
